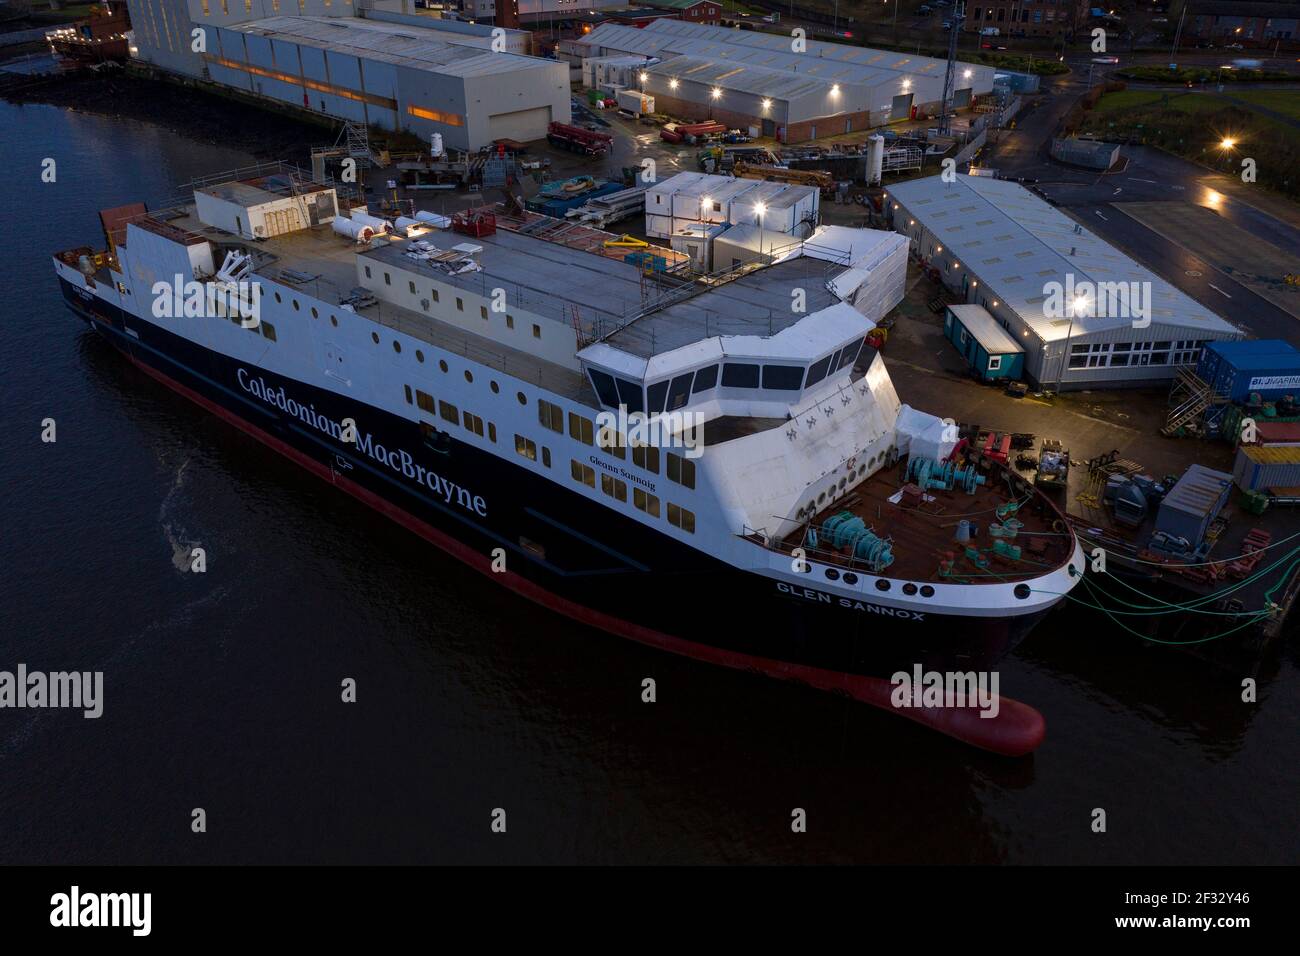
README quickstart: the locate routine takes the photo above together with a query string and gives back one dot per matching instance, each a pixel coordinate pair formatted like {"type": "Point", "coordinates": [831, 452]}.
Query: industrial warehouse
{"type": "Point", "coordinates": [424, 78]}
{"type": "Point", "coordinates": [1048, 282]}
{"type": "Point", "coordinates": [747, 79]}
{"type": "Point", "coordinates": [389, 76]}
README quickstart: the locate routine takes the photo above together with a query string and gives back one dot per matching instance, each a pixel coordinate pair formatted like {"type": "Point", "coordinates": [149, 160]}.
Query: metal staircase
{"type": "Point", "coordinates": [1189, 397]}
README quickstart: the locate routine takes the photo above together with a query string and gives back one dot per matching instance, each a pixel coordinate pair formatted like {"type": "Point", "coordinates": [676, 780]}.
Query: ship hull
{"type": "Point", "coordinates": [587, 563]}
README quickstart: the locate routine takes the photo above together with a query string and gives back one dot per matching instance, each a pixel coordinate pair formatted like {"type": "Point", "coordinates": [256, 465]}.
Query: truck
{"type": "Point", "coordinates": [1053, 466]}
{"type": "Point", "coordinates": [578, 140]}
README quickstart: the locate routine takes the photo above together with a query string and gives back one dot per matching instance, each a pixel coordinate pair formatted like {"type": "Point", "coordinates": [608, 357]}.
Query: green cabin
{"type": "Point", "coordinates": [988, 348]}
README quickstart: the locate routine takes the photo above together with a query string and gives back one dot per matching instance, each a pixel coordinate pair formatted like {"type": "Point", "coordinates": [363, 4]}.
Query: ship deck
{"type": "Point", "coordinates": [323, 264]}
{"type": "Point", "coordinates": [925, 536]}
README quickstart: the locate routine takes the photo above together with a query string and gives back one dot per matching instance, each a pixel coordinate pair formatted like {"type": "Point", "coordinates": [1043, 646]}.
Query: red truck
{"type": "Point", "coordinates": [578, 140]}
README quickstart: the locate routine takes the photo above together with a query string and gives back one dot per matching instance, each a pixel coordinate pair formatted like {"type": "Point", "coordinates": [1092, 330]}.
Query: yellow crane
{"type": "Point", "coordinates": [626, 242]}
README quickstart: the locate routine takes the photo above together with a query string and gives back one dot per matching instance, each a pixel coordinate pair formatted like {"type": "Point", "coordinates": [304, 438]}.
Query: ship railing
{"type": "Point", "coordinates": [556, 378]}
{"type": "Point", "coordinates": [295, 175]}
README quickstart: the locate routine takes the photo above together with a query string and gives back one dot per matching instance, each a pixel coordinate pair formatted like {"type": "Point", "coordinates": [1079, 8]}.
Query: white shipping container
{"type": "Point", "coordinates": [636, 102]}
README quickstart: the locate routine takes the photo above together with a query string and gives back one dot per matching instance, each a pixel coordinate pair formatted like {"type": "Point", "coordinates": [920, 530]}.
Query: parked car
{"type": "Point", "coordinates": [947, 24]}
{"type": "Point", "coordinates": [924, 9]}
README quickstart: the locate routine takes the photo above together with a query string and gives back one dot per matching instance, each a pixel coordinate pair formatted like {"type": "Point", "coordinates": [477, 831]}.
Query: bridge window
{"type": "Point", "coordinates": [655, 395]}
{"type": "Point", "coordinates": [739, 375]}
{"type": "Point", "coordinates": [679, 392]}
{"type": "Point", "coordinates": [604, 386]}
{"type": "Point", "coordinates": [786, 378]}
{"type": "Point", "coordinates": [629, 394]}
{"type": "Point", "coordinates": [705, 379]}
{"type": "Point", "coordinates": [818, 371]}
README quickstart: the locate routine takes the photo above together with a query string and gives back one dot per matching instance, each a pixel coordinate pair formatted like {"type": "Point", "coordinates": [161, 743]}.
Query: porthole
{"type": "Point", "coordinates": [495, 388]}
{"type": "Point", "coordinates": [419, 356]}
{"type": "Point", "coordinates": [1022, 591]}
{"type": "Point", "coordinates": [277, 297]}
{"type": "Point", "coordinates": [850, 577]}
{"type": "Point", "coordinates": [442, 364]}
{"type": "Point", "coordinates": [523, 399]}
{"type": "Point", "coordinates": [295, 305]}
{"type": "Point", "coordinates": [314, 313]}
{"type": "Point", "coordinates": [909, 588]}
{"type": "Point", "coordinates": [469, 376]}
{"type": "Point", "coordinates": [811, 508]}
{"type": "Point", "coordinates": [374, 337]}
{"type": "Point", "coordinates": [334, 321]}
{"type": "Point", "coordinates": [927, 591]}
{"type": "Point", "coordinates": [397, 346]}
{"type": "Point", "coordinates": [843, 482]}
{"type": "Point", "coordinates": [832, 574]}
{"type": "Point", "coordinates": [821, 497]}
{"type": "Point", "coordinates": [882, 585]}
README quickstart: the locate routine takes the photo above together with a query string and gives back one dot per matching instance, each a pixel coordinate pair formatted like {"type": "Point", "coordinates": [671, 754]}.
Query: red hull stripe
{"type": "Point", "coordinates": [1017, 730]}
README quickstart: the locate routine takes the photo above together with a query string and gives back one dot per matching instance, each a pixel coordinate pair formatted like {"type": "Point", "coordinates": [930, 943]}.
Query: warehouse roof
{"type": "Point", "coordinates": [992, 337]}
{"type": "Point", "coordinates": [1017, 244]}
{"type": "Point", "coordinates": [831, 62]}
{"type": "Point", "coordinates": [410, 46]}
{"type": "Point", "coordinates": [741, 79]}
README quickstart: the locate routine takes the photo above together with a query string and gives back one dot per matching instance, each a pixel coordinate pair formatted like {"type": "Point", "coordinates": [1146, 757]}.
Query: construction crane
{"type": "Point", "coordinates": [626, 242]}
{"type": "Point", "coordinates": [949, 77]}
{"type": "Point", "coordinates": [800, 177]}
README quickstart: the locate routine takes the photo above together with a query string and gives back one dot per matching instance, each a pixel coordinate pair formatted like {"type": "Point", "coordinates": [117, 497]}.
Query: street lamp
{"type": "Point", "coordinates": [759, 209]}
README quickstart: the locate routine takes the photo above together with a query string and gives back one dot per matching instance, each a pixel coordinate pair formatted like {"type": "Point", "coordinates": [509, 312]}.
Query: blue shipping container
{"type": "Point", "coordinates": [1212, 356]}
{"type": "Point", "coordinates": [1269, 367]}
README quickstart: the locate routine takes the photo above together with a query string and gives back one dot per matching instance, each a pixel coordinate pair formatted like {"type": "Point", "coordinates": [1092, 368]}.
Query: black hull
{"type": "Point", "coordinates": [587, 562]}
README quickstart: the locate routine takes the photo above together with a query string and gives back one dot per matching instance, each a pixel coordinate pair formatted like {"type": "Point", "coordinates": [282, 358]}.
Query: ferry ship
{"type": "Point", "coordinates": [490, 380]}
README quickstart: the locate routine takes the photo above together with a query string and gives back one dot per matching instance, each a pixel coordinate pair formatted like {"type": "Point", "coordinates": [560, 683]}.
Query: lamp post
{"type": "Point", "coordinates": [1079, 301]}
{"type": "Point", "coordinates": [760, 208]}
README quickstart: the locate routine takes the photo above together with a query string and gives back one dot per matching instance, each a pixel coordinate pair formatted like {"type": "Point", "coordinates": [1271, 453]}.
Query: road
{"type": "Point", "coordinates": [1149, 175]}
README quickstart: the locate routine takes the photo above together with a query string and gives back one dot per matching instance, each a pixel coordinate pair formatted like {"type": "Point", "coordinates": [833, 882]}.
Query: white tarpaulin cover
{"type": "Point", "coordinates": [919, 434]}
{"type": "Point", "coordinates": [876, 279]}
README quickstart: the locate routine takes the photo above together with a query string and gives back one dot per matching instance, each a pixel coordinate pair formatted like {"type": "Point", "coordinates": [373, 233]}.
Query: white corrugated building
{"type": "Point", "coordinates": [1057, 288]}
{"type": "Point", "coordinates": [679, 201]}
{"type": "Point", "coordinates": [746, 78]}
{"type": "Point", "coordinates": [392, 76]}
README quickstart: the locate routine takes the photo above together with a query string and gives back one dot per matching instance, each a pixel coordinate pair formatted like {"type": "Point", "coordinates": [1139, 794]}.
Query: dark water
{"type": "Point", "coordinates": [222, 689]}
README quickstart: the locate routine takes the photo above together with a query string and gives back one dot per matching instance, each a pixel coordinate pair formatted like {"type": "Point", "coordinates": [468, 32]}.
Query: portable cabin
{"type": "Point", "coordinates": [989, 349]}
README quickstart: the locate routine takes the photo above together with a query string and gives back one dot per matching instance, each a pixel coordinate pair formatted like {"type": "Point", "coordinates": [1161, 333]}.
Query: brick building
{"type": "Point", "coordinates": [1028, 17]}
